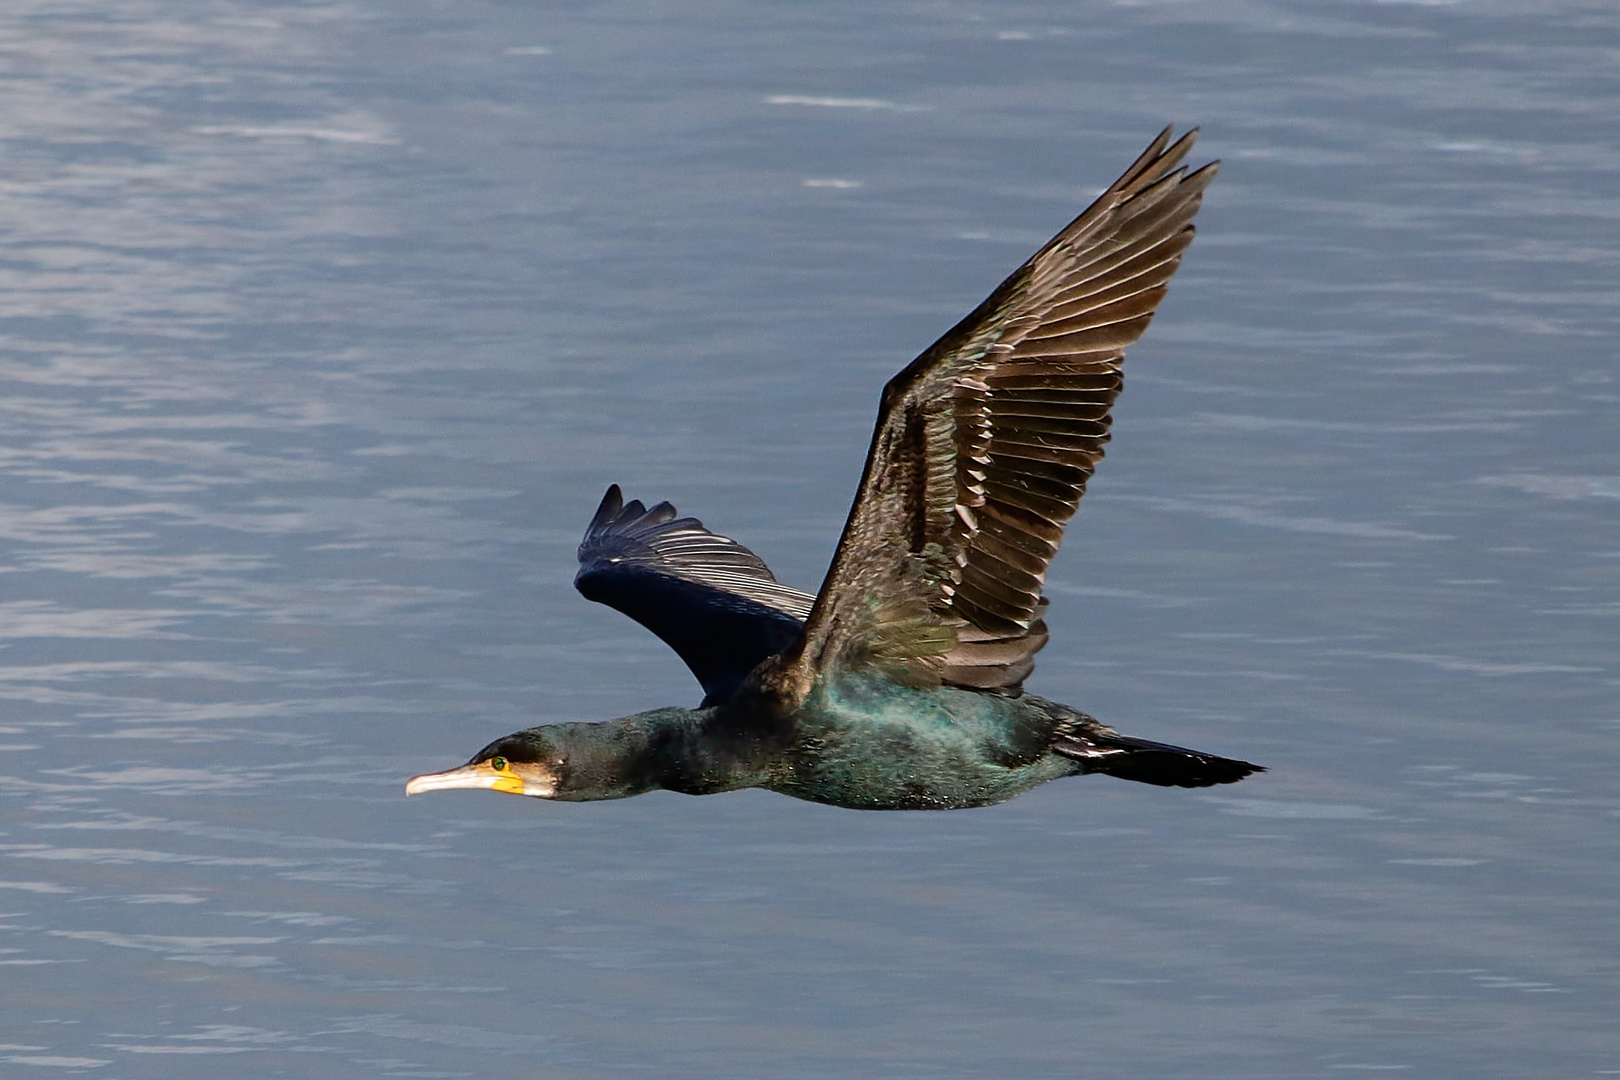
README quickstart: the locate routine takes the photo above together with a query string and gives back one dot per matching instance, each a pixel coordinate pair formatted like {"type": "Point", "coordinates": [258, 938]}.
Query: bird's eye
{"type": "Point", "coordinates": [498, 764]}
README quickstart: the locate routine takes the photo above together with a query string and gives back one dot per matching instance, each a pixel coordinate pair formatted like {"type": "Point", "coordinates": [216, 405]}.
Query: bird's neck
{"type": "Point", "coordinates": [671, 748]}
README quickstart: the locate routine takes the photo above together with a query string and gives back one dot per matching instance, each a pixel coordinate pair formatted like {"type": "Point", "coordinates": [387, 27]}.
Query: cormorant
{"type": "Point", "coordinates": [900, 685]}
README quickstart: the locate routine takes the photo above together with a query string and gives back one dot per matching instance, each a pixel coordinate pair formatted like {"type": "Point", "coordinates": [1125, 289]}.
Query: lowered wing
{"type": "Point", "coordinates": [985, 442]}
{"type": "Point", "coordinates": [709, 598]}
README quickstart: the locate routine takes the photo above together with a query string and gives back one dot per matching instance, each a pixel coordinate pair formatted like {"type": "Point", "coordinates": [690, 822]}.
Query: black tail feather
{"type": "Point", "coordinates": [1150, 762]}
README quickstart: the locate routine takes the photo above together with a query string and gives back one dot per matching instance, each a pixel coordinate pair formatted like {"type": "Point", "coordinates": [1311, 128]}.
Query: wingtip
{"type": "Point", "coordinates": [1182, 145]}
{"type": "Point", "coordinates": [1158, 164]}
{"type": "Point", "coordinates": [609, 508]}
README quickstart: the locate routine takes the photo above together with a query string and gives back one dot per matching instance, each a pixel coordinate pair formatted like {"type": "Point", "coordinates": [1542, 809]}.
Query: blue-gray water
{"type": "Point", "coordinates": [324, 325]}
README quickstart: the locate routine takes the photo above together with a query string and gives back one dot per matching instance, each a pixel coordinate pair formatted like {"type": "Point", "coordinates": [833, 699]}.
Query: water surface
{"type": "Point", "coordinates": [323, 326]}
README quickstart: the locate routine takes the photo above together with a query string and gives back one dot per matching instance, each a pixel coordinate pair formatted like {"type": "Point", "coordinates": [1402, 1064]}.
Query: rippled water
{"type": "Point", "coordinates": [323, 326]}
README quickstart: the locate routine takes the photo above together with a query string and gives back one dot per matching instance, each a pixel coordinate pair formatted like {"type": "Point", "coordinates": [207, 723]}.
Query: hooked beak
{"type": "Point", "coordinates": [474, 776]}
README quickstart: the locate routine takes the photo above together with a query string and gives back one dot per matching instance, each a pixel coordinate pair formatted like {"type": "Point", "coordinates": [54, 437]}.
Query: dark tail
{"type": "Point", "coordinates": [1104, 751]}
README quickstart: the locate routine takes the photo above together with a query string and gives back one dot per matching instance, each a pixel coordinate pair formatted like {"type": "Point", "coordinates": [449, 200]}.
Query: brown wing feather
{"type": "Point", "coordinates": [985, 442]}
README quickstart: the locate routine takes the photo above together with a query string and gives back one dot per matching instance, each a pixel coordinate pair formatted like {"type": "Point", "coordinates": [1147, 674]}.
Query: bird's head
{"type": "Point", "coordinates": [526, 763]}
{"type": "Point", "coordinates": [574, 762]}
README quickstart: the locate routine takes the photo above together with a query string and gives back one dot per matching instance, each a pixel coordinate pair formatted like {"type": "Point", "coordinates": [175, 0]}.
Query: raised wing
{"type": "Point", "coordinates": [985, 442]}
{"type": "Point", "coordinates": [709, 598]}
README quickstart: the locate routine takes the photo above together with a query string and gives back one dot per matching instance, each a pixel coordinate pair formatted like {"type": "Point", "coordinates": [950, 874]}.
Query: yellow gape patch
{"type": "Point", "coordinates": [512, 785]}
{"type": "Point", "coordinates": [504, 779]}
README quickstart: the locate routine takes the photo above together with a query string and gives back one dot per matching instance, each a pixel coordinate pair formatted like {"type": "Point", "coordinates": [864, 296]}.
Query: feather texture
{"type": "Point", "coordinates": [985, 442]}
{"type": "Point", "coordinates": [709, 598]}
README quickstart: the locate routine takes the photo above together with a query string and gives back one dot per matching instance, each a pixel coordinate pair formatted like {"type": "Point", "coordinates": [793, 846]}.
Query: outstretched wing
{"type": "Point", "coordinates": [709, 598]}
{"type": "Point", "coordinates": [985, 442]}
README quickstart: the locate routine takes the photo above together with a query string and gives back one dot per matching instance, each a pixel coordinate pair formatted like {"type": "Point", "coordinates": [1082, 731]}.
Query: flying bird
{"type": "Point", "coordinates": [899, 686]}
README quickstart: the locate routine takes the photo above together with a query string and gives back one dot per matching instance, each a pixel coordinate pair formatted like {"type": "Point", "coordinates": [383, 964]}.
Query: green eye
{"type": "Point", "coordinates": [498, 764]}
